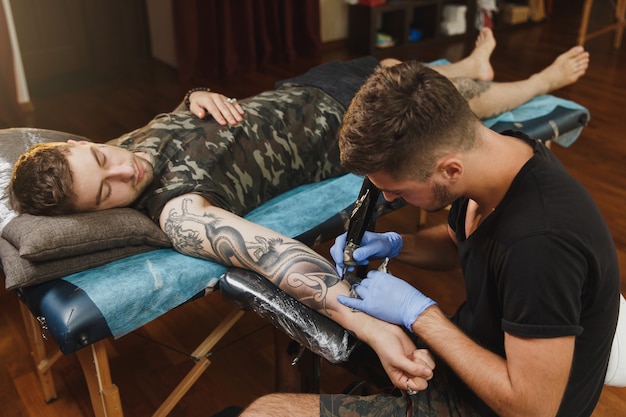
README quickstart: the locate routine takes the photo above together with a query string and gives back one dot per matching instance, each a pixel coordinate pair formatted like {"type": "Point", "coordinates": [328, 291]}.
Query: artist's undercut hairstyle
{"type": "Point", "coordinates": [402, 120]}
{"type": "Point", "coordinates": [41, 183]}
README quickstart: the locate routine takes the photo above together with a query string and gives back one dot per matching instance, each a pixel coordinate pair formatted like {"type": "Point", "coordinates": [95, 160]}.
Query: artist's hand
{"type": "Point", "coordinates": [223, 109]}
{"type": "Point", "coordinates": [388, 298]}
{"type": "Point", "coordinates": [373, 246]}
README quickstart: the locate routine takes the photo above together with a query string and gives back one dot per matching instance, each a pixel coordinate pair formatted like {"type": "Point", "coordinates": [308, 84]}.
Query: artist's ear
{"type": "Point", "coordinates": [450, 168]}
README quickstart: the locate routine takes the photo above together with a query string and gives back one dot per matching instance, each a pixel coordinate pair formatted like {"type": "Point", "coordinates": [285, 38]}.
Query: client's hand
{"type": "Point", "coordinates": [223, 109]}
{"type": "Point", "coordinates": [373, 246]}
{"type": "Point", "coordinates": [420, 382]}
{"type": "Point", "coordinates": [406, 366]}
{"type": "Point", "coordinates": [388, 298]}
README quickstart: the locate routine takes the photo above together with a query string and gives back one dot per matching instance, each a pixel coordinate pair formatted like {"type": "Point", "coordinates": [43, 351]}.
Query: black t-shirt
{"type": "Point", "coordinates": [542, 265]}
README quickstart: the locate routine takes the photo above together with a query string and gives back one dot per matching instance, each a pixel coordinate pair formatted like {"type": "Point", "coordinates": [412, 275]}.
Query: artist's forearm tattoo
{"type": "Point", "coordinates": [288, 264]}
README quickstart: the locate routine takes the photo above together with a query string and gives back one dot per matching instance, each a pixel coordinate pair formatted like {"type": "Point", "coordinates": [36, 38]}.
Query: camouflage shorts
{"type": "Point", "coordinates": [439, 400]}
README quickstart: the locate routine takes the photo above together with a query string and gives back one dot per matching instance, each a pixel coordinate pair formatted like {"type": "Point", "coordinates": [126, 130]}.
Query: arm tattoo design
{"type": "Point", "coordinates": [289, 265]}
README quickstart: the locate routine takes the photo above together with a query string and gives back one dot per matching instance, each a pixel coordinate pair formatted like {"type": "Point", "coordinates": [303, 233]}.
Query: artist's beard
{"type": "Point", "coordinates": [442, 198]}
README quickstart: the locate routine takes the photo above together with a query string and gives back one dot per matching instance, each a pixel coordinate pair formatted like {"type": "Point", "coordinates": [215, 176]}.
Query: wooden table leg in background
{"type": "Point", "coordinates": [618, 26]}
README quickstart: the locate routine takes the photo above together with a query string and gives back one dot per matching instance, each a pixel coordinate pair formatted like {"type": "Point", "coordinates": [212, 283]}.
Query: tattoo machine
{"type": "Point", "coordinates": [360, 220]}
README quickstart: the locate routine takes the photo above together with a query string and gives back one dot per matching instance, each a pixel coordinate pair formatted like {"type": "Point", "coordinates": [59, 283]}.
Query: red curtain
{"type": "Point", "coordinates": [222, 37]}
{"type": "Point", "coordinates": [9, 107]}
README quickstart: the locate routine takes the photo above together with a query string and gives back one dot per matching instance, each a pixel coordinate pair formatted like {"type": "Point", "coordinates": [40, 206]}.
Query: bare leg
{"type": "Point", "coordinates": [284, 405]}
{"type": "Point", "coordinates": [490, 99]}
{"type": "Point", "coordinates": [472, 74]}
{"type": "Point", "coordinates": [475, 66]}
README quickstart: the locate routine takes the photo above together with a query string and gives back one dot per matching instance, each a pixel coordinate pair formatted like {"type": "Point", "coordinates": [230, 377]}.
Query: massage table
{"type": "Point", "coordinates": [83, 309]}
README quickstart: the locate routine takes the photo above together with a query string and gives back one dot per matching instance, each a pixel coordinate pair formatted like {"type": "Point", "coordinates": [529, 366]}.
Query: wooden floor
{"type": "Point", "coordinates": [146, 364]}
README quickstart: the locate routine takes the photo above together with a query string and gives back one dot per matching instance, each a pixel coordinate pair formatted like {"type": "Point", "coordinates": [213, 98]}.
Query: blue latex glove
{"type": "Point", "coordinates": [388, 298]}
{"type": "Point", "coordinates": [373, 246]}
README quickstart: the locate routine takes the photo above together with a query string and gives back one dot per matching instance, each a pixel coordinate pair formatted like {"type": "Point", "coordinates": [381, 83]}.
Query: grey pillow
{"type": "Point", "coordinates": [42, 238]}
{"type": "Point", "coordinates": [20, 272]}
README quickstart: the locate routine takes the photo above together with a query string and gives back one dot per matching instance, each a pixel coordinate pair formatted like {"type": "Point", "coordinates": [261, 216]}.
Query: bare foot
{"type": "Point", "coordinates": [566, 69]}
{"type": "Point", "coordinates": [475, 66]}
{"type": "Point", "coordinates": [480, 56]}
{"type": "Point", "coordinates": [389, 62]}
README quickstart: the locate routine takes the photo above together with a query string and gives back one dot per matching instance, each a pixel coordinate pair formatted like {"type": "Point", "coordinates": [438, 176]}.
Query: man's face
{"type": "Point", "coordinates": [430, 196]}
{"type": "Point", "coordinates": [107, 176]}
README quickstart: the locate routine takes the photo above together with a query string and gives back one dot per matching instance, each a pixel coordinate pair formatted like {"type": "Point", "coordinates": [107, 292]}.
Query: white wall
{"type": "Point", "coordinates": [334, 20]}
{"type": "Point", "coordinates": [23, 97]}
{"type": "Point", "coordinates": [161, 25]}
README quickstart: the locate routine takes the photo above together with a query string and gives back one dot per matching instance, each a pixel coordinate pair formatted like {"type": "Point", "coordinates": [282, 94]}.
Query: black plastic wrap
{"type": "Point", "coordinates": [312, 330]}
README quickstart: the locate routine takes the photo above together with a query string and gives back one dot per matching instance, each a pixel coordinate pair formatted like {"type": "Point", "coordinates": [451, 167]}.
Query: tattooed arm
{"type": "Point", "coordinates": [216, 234]}
{"type": "Point", "coordinates": [199, 229]}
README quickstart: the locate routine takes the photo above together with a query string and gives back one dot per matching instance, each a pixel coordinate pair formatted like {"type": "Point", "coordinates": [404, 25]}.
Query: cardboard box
{"type": "Point", "coordinates": [513, 14]}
